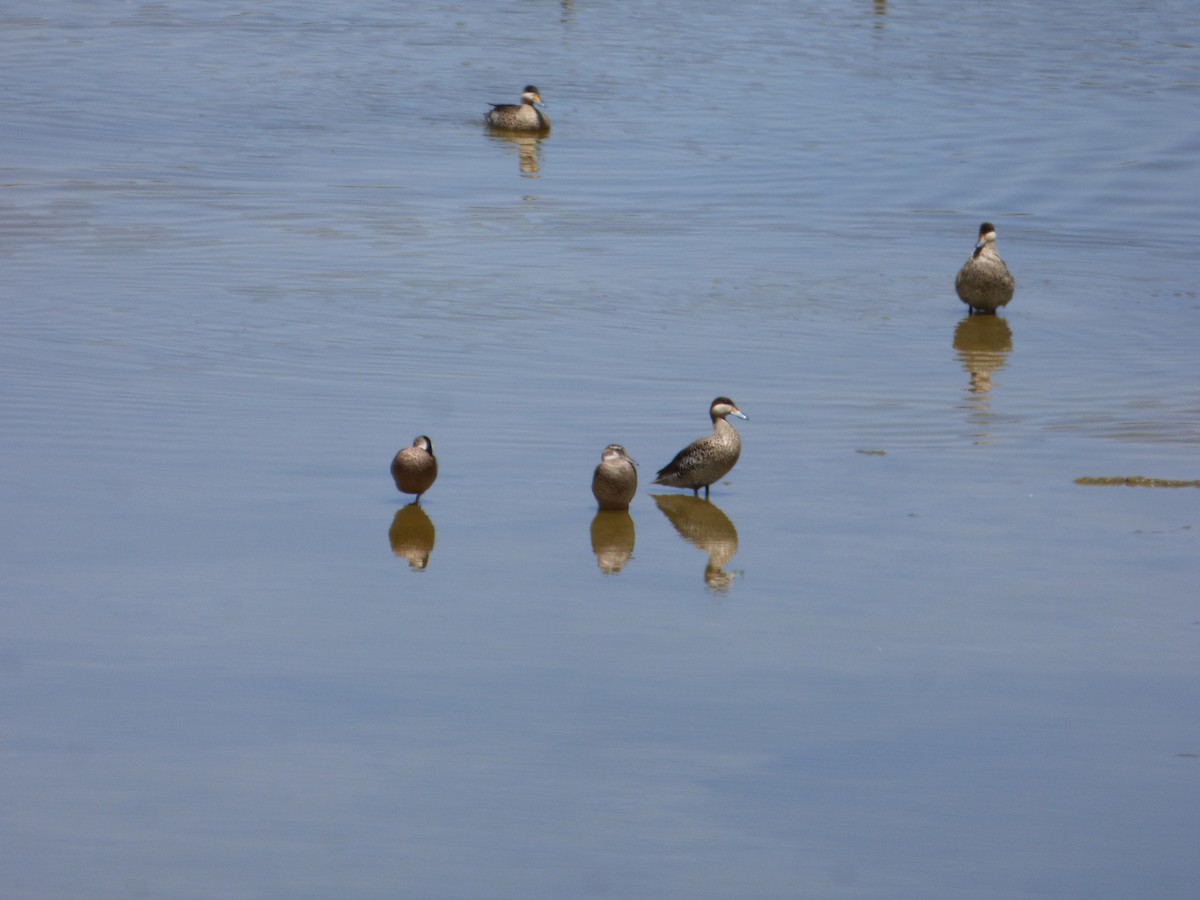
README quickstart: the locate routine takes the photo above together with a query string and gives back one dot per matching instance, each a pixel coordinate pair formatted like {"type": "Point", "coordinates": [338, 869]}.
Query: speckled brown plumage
{"type": "Point", "coordinates": [524, 116]}
{"type": "Point", "coordinates": [984, 282]}
{"type": "Point", "coordinates": [707, 460]}
{"type": "Point", "coordinates": [414, 469]}
{"type": "Point", "coordinates": [615, 480]}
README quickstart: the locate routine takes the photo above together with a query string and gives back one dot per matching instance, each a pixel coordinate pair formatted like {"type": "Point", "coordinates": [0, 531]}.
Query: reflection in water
{"type": "Point", "coordinates": [878, 14]}
{"type": "Point", "coordinates": [529, 149]}
{"type": "Point", "coordinates": [411, 536]}
{"type": "Point", "coordinates": [983, 344]}
{"type": "Point", "coordinates": [612, 539]}
{"type": "Point", "coordinates": [701, 522]}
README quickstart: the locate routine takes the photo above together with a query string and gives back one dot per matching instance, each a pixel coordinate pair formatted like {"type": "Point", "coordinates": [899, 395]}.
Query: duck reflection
{"type": "Point", "coordinates": [982, 344]}
{"type": "Point", "coordinates": [529, 150]}
{"type": "Point", "coordinates": [411, 536]}
{"type": "Point", "coordinates": [701, 523]}
{"type": "Point", "coordinates": [612, 539]}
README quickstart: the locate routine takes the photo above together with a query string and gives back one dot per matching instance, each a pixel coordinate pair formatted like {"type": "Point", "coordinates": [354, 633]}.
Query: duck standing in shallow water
{"type": "Point", "coordinates": [524, 116]}
{"type": "Point", "coordinates": [414, 469]}
{"type": "Point", "coordinates": [708, 459]}
{"type": "Point", "coordinates": [615, 480]}
{"type": "Point", "coordinates": [984, 282]}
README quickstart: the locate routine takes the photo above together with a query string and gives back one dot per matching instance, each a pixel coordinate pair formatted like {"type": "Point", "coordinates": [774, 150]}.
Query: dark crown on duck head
{"type": "Point", "coordinates": [725, 401]}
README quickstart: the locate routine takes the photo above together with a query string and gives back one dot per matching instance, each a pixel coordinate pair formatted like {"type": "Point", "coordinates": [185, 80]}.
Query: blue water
{"type": "Point", "coordinates": [249, 252]}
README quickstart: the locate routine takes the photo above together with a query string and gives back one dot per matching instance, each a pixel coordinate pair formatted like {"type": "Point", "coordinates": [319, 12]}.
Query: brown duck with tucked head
{"type": "Point", "coordinates": [415, 468]}
{"type": "Point", "coordinates": [615, 480]}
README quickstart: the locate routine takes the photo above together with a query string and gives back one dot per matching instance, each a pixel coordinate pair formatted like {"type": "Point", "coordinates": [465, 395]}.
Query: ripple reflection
{"type": "Point", "coordinates": [701, 523]}
{"type": "Point", "coordinates": [613, 537]}
{"type": "Point", "coordinates": [529, 150]}
{"type": "Point", "coordinates": [411, 536]}
{"type": "Point", "coordinates": [983, 344]}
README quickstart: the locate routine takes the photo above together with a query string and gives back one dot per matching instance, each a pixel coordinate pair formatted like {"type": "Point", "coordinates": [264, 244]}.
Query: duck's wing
{"type": "Point", "coordinates": [685, 460]}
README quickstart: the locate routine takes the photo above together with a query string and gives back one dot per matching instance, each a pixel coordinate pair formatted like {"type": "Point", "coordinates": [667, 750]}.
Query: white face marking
{"type": "Point", "coordinates": [727, 409]}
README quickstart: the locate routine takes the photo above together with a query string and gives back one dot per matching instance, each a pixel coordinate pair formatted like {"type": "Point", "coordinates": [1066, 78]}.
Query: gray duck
{"type": "Point", "coordinates": [707, 460]}
{"type": "Point", "coordinates": [984, 282]}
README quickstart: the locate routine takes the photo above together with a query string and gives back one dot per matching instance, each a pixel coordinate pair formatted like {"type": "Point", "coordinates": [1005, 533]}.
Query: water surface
{"type": "Point", "coordinates": [250, 252]}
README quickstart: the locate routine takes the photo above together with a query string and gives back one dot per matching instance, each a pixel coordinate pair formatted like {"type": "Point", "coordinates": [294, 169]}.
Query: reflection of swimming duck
{"type": "Point", "coordinates": [708, 459]}
{"type": "Point", "coordinates": [411, 536]}
{"type": "Point", "coordinates": [524, 116]}
{"type": "Point", "coordinates": [984, 282]}
{"type": "Point", "coordinates": [415, 468]}
{"type": "Point", "coordinates": [529, 148]}
{"type": "Point", "coordinates": [615, 480]}
{"type": "Point", "coordinates": [702, 524]}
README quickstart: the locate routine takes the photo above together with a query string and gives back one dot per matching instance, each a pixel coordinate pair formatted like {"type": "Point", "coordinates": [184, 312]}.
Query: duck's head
{"type": "Point", "coordinates": [531, 96]}
{"type": "Point", "coordinates": [723, 406]}
{"type": "Point", "coordinates": [987, 235]}
{"type": "Point", "coordinates": [422, 442]}
{"type": "Point", "coordinates": [614, 452]}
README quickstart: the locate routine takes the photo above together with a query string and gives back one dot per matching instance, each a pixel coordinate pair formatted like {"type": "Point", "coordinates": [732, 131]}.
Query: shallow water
{"type": "Point", "coordinates": [249, 253]}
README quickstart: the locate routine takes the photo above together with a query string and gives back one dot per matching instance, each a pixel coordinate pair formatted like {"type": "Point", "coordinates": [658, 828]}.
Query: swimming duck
{"type": "Point", "coordinates": [708, 459]}
{"type": "Point", "coordinates": [524, 116]}
{"type": "Point", "coordinates": [984, 282]}
{"type": "Point", "coordinates": [415, 468]}
{"type": "Point", "coordinates": [615, 480]}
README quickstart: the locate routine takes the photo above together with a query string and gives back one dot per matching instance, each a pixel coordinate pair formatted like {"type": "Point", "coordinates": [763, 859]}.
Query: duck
{"type": "Point", "coordinates": [984, 282]}
{"type": "Point", "coordinates": [415, 468]}
{"type": "Point", "coordinates": [708, 459]}
{"type": "Point", "coordinates": [615, 480]}
{"type": "Point", "coordinates": [524, 116]}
